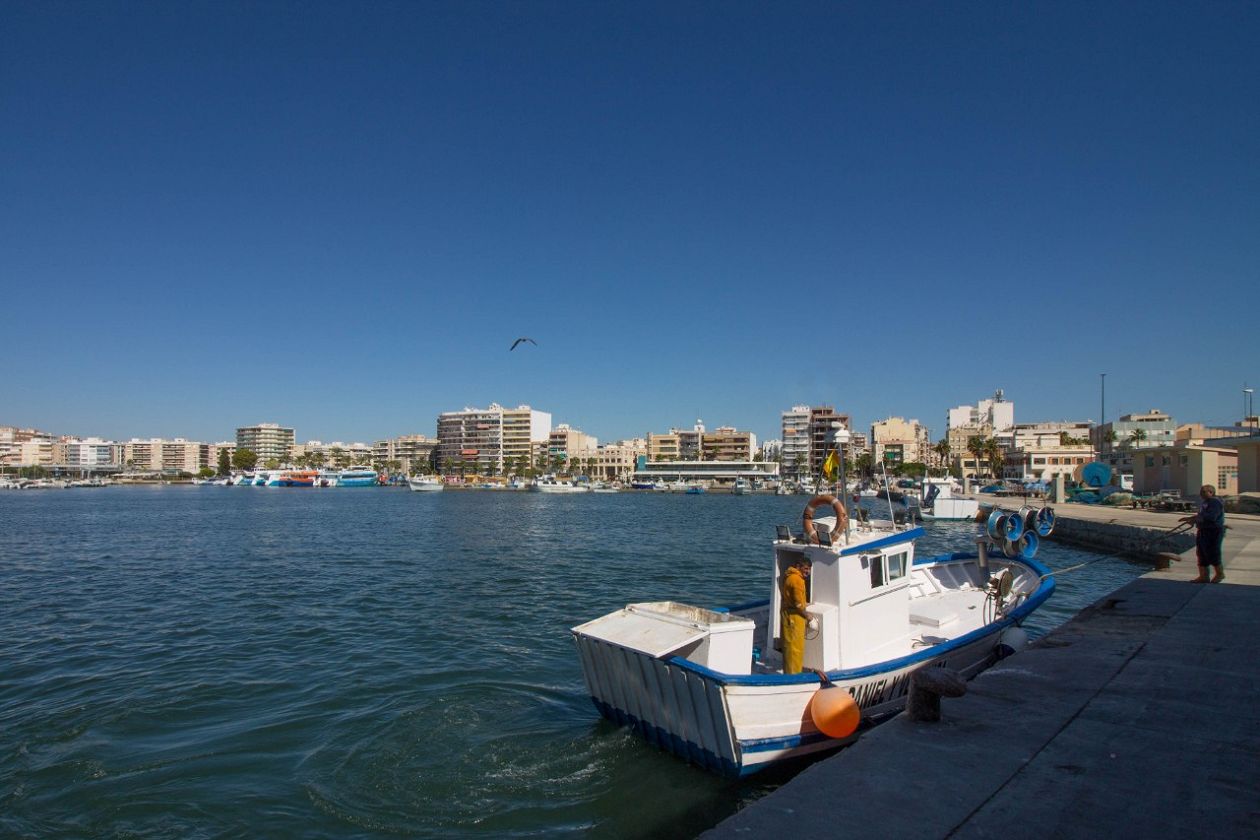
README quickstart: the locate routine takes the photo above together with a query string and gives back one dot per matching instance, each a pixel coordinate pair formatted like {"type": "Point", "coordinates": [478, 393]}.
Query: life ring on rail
{"type": "Point", "coordinates": [807, 518]}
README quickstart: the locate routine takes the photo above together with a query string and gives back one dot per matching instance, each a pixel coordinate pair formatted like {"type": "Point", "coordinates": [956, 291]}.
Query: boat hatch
{"type": "Point", "coordinates": [720, 641]}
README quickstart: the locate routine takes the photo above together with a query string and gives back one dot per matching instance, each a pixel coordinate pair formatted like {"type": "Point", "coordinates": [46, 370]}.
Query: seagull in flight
{"type": "Point", "coordinates": [519, 340]}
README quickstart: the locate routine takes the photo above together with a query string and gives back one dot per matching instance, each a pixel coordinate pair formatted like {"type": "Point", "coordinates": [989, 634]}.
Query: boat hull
{"type": "Point", "coordinates": [736, 725]}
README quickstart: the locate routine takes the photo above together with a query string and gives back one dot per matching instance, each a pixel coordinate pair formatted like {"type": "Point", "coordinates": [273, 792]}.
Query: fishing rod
{"type": "Point", "coordinates": [1180, 528]}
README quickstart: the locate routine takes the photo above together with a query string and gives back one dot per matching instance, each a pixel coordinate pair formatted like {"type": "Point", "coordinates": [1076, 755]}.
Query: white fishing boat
{"type": "Point", "coordinates": [741, 487]}
{"type": "Point", "coordinates": [425, 483]}
{"type": "Point", "coordinates": [551, 484]}
{"type": "Point", "coordinates": [709, 685]}
{"type": "Point", "coordinates": [939, 502]}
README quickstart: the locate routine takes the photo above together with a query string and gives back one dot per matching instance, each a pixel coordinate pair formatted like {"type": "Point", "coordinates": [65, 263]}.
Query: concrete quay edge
{"type": "Point", "coordinates": [1136, 717]}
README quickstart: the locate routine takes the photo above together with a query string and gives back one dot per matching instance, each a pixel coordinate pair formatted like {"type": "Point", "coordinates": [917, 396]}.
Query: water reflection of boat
{"type": "Point", "coordinates": [709, 685]}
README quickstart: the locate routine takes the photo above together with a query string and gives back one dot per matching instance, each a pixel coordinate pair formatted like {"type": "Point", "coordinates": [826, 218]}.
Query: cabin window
{"type": "Point", "coordinates": [896, 566]}
{"type": "Point", "coordinates": [877, 571]}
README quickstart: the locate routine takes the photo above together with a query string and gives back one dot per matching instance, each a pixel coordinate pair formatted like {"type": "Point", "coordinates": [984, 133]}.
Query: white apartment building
{"type": "Point", "coordinates": [618, 461]}
{"type": "Point", "coordinates": [1040, 451]}
{"type": "Point", "coordinates": [997, 413]}
{"type": "Point", "coordinates": [483, 439]}
{"type": "Point", "coordinates": [795, 448]}
{"type": "Point", "coordinates": [266, 440]}
{"type": "Point", "coordinates": [25, 447]}
{"type": "Point", "coordinates": [93, 453]}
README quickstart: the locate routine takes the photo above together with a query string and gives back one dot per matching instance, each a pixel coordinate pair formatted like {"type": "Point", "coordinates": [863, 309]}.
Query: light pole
{"type": "Point", "coordinates": [1248, 405]}
{"type": "Point", "coordinates": [839, 438]}
{"type": "Point", "coordinates": [1102, 407]}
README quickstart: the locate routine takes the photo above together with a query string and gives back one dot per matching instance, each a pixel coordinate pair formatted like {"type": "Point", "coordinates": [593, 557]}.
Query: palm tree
{"type": "Point", "coordinates": [942, 451]}
{"type": "Point", "coordinates": [448, 465]}
{"type": "Point", "coordinates": [1137, 436]}
{"type": "Point", "coordinates": [976, 446]}
{"type": "Point", "coordinates": [996, 456]}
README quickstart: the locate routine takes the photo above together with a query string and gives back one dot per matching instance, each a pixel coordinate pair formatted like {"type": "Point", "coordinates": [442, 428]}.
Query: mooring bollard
{"type": "Point", "coordinates": [927, 687]}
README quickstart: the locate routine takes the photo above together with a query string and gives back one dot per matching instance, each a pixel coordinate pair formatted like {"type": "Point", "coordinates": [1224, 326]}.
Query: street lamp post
{"type": "Point", "coordinates": [1102, 409]}
{"type": "Point", "coordinates": [1248, 405]}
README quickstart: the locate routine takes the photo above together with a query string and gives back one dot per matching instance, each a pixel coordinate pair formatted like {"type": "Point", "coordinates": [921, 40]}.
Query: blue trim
{"type": "Point", "coordinates": [668, 741]}
{"type": "Point", "coordinates": [899, 537]}
{"type": "Point", "coordinates": [1043, 592]}
{"type": "Point", "coordinates": [787, 742]}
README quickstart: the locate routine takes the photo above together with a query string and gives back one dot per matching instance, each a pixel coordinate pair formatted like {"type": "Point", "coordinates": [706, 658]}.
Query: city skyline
{"type": "Point", "coordinates": [340, 218]}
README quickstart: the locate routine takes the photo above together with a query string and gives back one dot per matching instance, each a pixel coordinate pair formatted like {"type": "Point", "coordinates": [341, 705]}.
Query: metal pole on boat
{"type": "Point", "coordinates": [982, 551]}
{"type": "Point", "coordinates": [839, 437]}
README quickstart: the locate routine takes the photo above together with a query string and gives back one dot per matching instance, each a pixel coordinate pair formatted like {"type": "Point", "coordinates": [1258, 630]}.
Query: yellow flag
{"type": "Point", "coordinates": [831, 466]}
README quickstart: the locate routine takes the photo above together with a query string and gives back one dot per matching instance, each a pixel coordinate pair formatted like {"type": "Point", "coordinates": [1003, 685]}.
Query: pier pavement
{"type": "Point", "coordinates": [1135, 718]}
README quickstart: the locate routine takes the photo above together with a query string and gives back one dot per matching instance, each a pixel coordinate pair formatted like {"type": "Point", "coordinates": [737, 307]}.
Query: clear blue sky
{"type": "Point", "coordinates": [339, 216]}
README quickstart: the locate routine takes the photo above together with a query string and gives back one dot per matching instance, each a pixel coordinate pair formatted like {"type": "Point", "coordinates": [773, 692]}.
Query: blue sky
{"type": "Point", "coordinates": [339, 216]}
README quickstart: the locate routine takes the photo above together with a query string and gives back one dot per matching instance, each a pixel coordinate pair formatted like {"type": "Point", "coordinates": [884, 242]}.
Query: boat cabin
{"type": "Point", "coordinates": [859, 590]}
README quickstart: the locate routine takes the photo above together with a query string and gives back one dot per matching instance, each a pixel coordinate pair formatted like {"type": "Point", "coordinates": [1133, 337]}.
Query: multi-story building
{"type": "Point", "coordinates": [807, 437]}
{"type": "Point", "coordinates": [859, 443]}
{"type": "Point", "coordinates": [663, 447]}
{"type": "Point", "coordinates": [92, 454]}
{"type": "Point", "coordinates": [1040, 451]}
{"type": "Point", "coordinates": [492, 440]}
{"type": "Point", "coordinates": [523, 429]}
{"type": "Point", "coordinates": [269, 441]}
{"type": "Point", "coordinates": [617, 461]}
{"type": "Point", "coordinates": [169, 457]}
{"type": "Point", "coordinates": [794, 453]}
{"type": "Point", "coordinates": [222, 446]}
{"type": "Point", "coordinates": [771, 449]}
{"type": "Point", "coordinates": [25, 447]}
{"type": "Point", "coordinates": [726, 443]}
{"type": "Point", "coordinates": [690, 441]}
{"type": "Point", "coordinates": [567, 445]}
{"type": "Point", "coordinates": [414, 453]}
{"type": "Point", "coordinates": [997, 413]}
{"type": "Point", "coordinates": [900, 441]}
{"type": "Point", "coordinates": [1117, 440]}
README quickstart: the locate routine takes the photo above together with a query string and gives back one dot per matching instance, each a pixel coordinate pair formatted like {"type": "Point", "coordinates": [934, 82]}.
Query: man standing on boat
{"type": "Point", "coordinates": [1210, 521]}
{"type": "Point", "coordinates": [792, 615]}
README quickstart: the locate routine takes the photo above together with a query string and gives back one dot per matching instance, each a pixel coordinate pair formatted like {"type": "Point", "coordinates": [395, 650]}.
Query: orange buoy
{"type": "Point", "coordinates": [835, 712]}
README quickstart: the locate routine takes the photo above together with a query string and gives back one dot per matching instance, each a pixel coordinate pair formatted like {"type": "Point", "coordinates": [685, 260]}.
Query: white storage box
{"type": "Point", "coordinates": [719, 641]}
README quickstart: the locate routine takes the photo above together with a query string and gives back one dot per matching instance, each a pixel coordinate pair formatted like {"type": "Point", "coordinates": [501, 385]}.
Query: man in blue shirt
{"type": "Point", "coordinates": [1211, 524]}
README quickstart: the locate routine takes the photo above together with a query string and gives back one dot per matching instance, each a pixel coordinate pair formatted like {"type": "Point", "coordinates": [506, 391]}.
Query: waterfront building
{"type": "Point", "coordinates": [415, 453]}
{"type": "Point", "coordinates": [998, 413]}
{"type": "Point", "coordinates": [771, 449]}
{"type": "Point", "coordinates": [726, 443]}
{"type": "Point", "coordinates": [1117, 441]}
{"type": "Point", "coordinates": [900, 441]}
{"type": "Point", "coordinates": [269, 441]}
{"type": "Point", "coordinates": [1195, 434]}
{"type": "Point", "coordinates": [721, 472]}
{"type": "Point", "coordinates": [523, 429]}
{"type": "Point", "coordinates": [222, 446]}
{"type": "Point", "coordinates": [617, 461]}
{"type": "Point", "coordinates": [807, 435]}
{"type": "Point", "coordinates": [794, 453]}
{"type": "Point", "coordinates": [1248, 449]}
{"type": "Point", "coordinates": [483, 439]}
{"type": "Point", "coordinates": [569, 446]}
{"type": "Point", "coordinates": [92, 454]}
{"type": "Point", "coordinates": [663, 447]}
{"type": "Point", "coordinates": [1187, 468]}
{"type": "Point", "coordinates": [859, 444]}
{"type": "Point", "coordinates": [25, 447]}
{"type": "Point", "coordinates": [1040, 451]}
{"type": "Point", "coordinates": [169, 457]}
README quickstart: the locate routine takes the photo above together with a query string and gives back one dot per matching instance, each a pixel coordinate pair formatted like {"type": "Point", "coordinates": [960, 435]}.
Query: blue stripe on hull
{"type": "Point", "coordinates": [356, 482]}
{"type": "Point", "coordinates": [671, 743]}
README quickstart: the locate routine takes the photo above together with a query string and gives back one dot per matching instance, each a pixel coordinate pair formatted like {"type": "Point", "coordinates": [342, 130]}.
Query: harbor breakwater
{"type": "Point", "coordinates": [1140, 542]}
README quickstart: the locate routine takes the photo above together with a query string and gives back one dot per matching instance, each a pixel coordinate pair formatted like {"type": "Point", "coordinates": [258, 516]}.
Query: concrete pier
{"type": "Point", "coordinates": [1136, 718]}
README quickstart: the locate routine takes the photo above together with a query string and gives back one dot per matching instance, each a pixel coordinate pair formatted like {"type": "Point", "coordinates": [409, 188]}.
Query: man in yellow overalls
{"type": "Point", "coordinates": [792, 615]}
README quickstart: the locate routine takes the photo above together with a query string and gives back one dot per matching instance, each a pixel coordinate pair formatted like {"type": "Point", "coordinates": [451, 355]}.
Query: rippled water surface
{"type": "Point", "coordinates": [237, 661]}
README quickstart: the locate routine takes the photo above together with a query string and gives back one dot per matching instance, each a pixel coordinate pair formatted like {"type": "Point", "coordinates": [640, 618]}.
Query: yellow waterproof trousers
{"type": "Point", "coordinates": [792, 621]}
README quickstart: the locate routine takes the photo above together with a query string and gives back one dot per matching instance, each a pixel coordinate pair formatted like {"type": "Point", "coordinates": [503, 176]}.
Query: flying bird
{"type": "Point", "coordinates": [519, 340]}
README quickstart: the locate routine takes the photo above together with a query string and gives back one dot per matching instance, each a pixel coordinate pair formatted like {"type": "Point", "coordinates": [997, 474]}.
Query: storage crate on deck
{"type": "Point", "coordinates": [719, 641]}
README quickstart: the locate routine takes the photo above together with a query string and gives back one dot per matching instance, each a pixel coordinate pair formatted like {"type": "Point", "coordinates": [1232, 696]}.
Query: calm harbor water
{"type": "Point", "coordinates": [236, 661]}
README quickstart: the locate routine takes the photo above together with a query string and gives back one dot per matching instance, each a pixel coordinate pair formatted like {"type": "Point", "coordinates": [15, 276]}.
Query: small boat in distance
{"type": "Point", "coordinates": [358, 477]}
{"type": "Point", "coordinates": [710, 685]}
{"type": "Point", "coordinates": [741, 487]}
{"type": "Point", "coordinates": [425, 483]}
{"type": "Point", "coordinates": [551, 484]}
